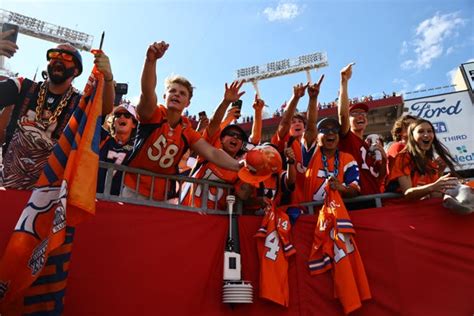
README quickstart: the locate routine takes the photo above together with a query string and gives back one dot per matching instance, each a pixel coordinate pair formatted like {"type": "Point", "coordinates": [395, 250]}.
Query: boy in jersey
{"type": "Point", "coordinates": [294, 132]}
{"type": "Point", "coordinates": [164, 135]}
{"type": "Point", "coordinates": [116, 145]}
{"type": "Point", "coordinates": [353, 120]}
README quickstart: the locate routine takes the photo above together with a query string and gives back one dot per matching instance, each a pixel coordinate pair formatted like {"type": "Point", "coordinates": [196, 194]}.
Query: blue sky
{"type": "Point", "coordinates": [401, 45]}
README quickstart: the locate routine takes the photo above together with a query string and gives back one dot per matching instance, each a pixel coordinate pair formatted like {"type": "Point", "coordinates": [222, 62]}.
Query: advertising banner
{"type": "Point", "coordinates": [452, 117]}
{"type": "Point", "coordinates": [468, 70]}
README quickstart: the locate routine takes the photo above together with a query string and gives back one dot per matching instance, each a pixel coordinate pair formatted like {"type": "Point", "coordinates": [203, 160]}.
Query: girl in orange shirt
{"type": "Point", "coordinates": [416, 173]}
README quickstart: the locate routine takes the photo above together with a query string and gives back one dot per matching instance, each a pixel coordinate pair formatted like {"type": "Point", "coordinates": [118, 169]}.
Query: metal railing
{"type": "Point", "coordinates": [205, 186]}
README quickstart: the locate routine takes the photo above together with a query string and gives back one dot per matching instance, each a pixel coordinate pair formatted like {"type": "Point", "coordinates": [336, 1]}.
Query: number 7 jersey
{"type": "Point", "coordinates": [159, 148]}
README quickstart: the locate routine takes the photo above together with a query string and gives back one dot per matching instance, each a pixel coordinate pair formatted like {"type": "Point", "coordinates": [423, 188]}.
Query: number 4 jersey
{"type": "Point", "coordinates": [274, 248]}
{"type": "Point", "coordinates": [159, 149]}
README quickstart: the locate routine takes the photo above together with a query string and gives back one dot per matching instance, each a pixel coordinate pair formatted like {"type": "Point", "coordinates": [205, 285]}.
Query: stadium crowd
{"type": "Point", "coordinates": [305, 155]}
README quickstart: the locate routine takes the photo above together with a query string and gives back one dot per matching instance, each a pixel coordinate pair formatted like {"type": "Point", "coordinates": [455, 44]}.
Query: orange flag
{"type": "Point", "coordinates": [64, 196]}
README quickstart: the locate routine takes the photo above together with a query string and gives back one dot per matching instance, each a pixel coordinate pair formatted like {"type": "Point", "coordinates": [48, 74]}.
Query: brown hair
{"type": "Point", "coordinates": [420, 159]}
{"type": "Point", "coordinates": [401, 123]}
{"type": "Point", "coordinates": [180, 80]}
{"type": "Point", "coordinates": [300, 116]}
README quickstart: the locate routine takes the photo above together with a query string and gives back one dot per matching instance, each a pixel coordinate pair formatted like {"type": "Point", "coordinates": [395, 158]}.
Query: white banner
{"type": "Point", "coordinates": [452, 117]}
{"type": "Point", "coordinates": [468, 69]}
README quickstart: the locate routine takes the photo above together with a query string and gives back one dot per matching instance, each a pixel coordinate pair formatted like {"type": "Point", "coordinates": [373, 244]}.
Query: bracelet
{"type": "Point", "coordinates": [111, 79]}
{"type": "Point", "coordinates": [291, 161]}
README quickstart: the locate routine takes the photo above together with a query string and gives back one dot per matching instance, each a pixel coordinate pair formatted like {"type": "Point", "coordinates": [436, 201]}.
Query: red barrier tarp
{"type": "Point", "coordinates": [136, 260]}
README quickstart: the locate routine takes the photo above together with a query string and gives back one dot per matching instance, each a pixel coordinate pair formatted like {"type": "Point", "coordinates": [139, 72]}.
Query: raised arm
{"type": "Point", "coordinates": [148, 99]}
{"type": "Point", "coordinates": [312, 113]}
{"type": "Point", "coordinates": [343, 106]}
{"type": "Point", "coordinates": [102, 62]}
{"type": "Point", "coordinates": [231, 94]}
{"type": "Point", "coordinates": [214, 155]}
{"type": "Point", "coordinates": [256, 135]}
{"type": "Point", "coordinates": [285, 123]}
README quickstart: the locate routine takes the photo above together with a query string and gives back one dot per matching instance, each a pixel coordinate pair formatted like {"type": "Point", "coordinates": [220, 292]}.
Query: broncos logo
{"type": "Point", "coordinates": [41, 201]}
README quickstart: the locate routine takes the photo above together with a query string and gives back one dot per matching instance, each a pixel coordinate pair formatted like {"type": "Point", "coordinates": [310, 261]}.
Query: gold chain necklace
{"type": "Point", "coordinates": [40, 103]}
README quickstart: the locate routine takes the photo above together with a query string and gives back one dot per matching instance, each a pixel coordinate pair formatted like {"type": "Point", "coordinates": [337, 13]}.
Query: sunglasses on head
{"type": "Point", "coordinates": [60, 54]}
{"type": "Point", "coordinates": [325, 130]}
{"type": "Point", "coordinates": [126, 114]}
{"type": "Point", "coordinates": [234, 134]}
{"type": "Point", "coordinates": [358, 113]}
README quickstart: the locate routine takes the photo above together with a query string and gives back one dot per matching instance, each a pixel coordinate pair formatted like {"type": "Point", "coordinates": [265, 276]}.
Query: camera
{"type": "Point", "coordinates": [120, 90]}
{"type": "Point", "coordinates": [237, 104]}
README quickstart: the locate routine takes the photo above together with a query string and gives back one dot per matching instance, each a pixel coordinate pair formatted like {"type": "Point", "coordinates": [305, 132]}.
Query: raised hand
{"type": "Point", "coordinates": [156, 50]}
{"type": "Point", "coordinates": [346, 72]}
{"type": "Point", "coordinates": [298, 90]}
{"type": "Point", "coordinates": [102, 62]}
{"type": "Point", "coordinates": [232, 113]}
{"type": "Point", "coordinates": [232, 93]}
{"type": "Point", "coordinates": [258, 104]}
{"type": "Point", "coordinates": [313, 89]}
{"type": "Point", "coordinates": [7, 48]}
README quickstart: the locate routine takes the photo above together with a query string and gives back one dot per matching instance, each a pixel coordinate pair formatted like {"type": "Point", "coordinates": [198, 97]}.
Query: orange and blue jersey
{"type": "Point", "coordinates": [315, 176]}
{"type": "Point", "coordinates": [159, 148]}
{"type": "Point", "coordinates": [334, 247]}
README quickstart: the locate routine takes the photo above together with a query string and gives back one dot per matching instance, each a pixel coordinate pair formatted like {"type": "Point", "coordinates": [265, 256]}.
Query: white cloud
{"type": "Point", "coordinates": [284, 11]}
{"type": "Point", "coordinates": [449, 50]}
{"type": "Point", "coordinates": [430, 39]}
{"type": "Point", "coordinates": [420, 86]}
{"type": "Point", "coordinates": [403, 83]}
{"type": "Point", "coordinates": [404, 48]}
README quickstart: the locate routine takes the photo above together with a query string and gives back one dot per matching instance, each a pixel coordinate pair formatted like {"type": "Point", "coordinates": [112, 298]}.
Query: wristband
{"type": "Point", "coordinates": [111, 79]}
{"type": "Point", "coordinates": [291, 161]}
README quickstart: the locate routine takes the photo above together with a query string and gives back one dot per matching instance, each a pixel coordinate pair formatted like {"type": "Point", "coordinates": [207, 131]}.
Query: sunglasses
{"type": "Point", "coordinates": [355, 114]}
{"type": "Point", "coordinates": [60, 54]}
{"type": "Point", "coordinates": [234, 134]}
{"type": "Point", "coordinates": [126, 114]}
{"type": "Point", "coordinates": [324, 130]}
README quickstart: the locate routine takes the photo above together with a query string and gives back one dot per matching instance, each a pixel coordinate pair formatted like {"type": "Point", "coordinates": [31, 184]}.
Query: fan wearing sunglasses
{"type": "Point", "coordinates": [116, 145]}
{"type": "Point", "coordinates": [330, 166]}
{"type": "Point", "coordinates": [40, 112]}
{"type": "Point", "coordinates": [353, 119]}
{"type": "Point", "coordinates": [232, 139]}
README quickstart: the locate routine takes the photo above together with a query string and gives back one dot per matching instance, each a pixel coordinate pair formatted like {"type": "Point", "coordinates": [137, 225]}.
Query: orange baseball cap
{"type": "Point", "coordinates": [260, 163]}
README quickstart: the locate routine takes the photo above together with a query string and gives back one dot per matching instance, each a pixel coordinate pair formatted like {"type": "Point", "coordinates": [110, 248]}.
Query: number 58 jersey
{"type": "Point", "coordinates": [274, 248]}
{"type": "Point", "coordinates": [159, 148]}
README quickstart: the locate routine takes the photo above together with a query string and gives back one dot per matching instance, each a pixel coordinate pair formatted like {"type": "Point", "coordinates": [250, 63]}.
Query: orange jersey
{"type": "Point", "coordinates": [159, 149]}
{"type": "Point", "coordinates": [302, 159]}
{"type": "Point", "coordinates": [274, 248]}
{"type": "Point", "coordinates": [315, 176]}
{"type": "Point", "coordinates": [192, 194]}
{"type": "Point", "coordinates": [334, 248]}
{"type": "Point", "coordinates": [404, 166]}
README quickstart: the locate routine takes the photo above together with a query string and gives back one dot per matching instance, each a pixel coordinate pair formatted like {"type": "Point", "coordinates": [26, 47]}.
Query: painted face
{"type": "Point", "coordinates": [177, 97]}
{"type": "Point", "coordinates": [358, 120]}
{"type": "Point", "coordinates": [123, 122]}
{"type": "Point", "coordinates": [423, 135]}
{"type": "Point", "coordinates": [328, 136]}
{"type": "Point", "coordinates": [232, 142]}
{"type": "Point", "coordinates": [297, 127]}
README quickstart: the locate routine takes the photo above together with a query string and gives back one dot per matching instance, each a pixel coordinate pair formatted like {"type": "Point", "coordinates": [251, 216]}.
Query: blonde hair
{"type": "Point", "coordinates": [179, 80]}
